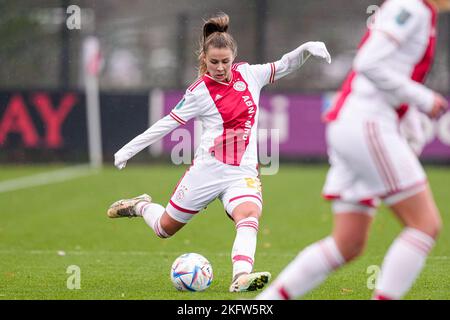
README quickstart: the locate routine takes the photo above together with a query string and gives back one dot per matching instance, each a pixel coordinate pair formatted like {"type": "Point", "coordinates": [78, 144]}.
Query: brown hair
{"type": "Point", "coordinates": [215, 34]}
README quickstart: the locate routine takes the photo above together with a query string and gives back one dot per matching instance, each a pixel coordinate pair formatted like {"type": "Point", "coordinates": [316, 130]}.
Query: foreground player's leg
{"type": "Point", "coordinates": [312, 266]}
{"type": "Point", "coordinates": [127, 207]}
{"type": "Point", "coordinates": [246, 217]}
{"type": "Point", "coordinates": [406, 257]}
{"type": "Point", "coordinates": [154, 214]}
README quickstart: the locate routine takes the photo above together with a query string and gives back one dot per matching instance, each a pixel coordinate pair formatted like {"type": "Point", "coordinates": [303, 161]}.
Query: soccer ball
{"type": "Point", "coordinates": [191, 272]}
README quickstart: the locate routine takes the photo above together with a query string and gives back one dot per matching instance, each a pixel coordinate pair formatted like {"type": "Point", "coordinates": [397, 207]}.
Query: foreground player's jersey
{"type": "Point", "coordinates": [411, 25]}
{"type": "Point", "coordinates": [228, 111]}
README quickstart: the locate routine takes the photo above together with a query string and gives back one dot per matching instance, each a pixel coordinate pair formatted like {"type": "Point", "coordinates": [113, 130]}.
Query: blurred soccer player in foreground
{"type": "Point", "coordinates": [225, 98]}
{"type": "Point", "coordinates": [370, 161]}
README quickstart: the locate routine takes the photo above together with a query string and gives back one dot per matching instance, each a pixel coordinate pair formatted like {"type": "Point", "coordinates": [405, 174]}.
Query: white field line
{"type": "Point", "coordinates": [148, 253]}
{"type": "Point", "coordinates": [45, 178]}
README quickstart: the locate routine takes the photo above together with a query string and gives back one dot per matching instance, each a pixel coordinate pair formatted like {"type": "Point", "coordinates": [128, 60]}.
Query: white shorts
{"type": "Point", "coordinates": [370, 161]}
{"type": "Point", "coordinates": [209, 179]}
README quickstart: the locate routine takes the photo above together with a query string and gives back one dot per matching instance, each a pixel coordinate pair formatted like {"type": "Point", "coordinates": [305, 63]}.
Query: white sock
{"type": "Point", "coordinates": [244, 247]}
{"type": "Point", "coordinates": [152, 212]}
{"type": "Point", "coordinates": [403, 263]}
{"type": "Point", "coordinates": [310, 268]}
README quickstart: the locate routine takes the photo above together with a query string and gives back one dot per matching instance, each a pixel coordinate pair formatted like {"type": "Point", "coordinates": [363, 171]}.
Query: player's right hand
{"type": "Point", "coordinates": [120, 161]}
{"type": "Point", "coordinates": [440, 106]}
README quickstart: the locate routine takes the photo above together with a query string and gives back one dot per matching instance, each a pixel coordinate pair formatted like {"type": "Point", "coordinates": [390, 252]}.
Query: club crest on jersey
{"type": "Point", "coordinates": [180, 193]}
{"type": "Point", "coordinates": [239, 86]}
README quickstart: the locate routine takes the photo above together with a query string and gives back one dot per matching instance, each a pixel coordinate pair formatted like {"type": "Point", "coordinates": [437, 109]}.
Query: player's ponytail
{"type": "Point", "coordinates": [215, 34]}
{"type": "Point", "coordinates": [218, 23]}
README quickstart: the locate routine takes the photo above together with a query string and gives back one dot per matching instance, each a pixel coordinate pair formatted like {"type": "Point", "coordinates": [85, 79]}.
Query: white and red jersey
{"type": "Point", "coordinates": [393, 60]}
{"type": "Point", "coordinates": [228, 110]}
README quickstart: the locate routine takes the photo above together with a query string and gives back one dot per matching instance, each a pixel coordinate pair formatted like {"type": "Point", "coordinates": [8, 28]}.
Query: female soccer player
{"type": "Point", "coordinates": [371, 161]}
{"type": "Point", "coordinates": [225, 98]}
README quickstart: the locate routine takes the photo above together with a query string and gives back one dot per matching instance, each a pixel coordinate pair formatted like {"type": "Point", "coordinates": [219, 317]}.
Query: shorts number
{"type": "Point", "coordinates": [253, 183]}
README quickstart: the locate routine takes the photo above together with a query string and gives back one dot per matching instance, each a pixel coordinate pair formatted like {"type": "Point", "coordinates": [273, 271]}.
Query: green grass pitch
{"type": "Point", "coordinates": [46, 229]}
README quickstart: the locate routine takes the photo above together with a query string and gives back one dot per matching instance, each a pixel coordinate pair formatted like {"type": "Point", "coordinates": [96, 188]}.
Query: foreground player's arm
{"type": "Point", "coordinates": [156, 132]}
{"type": "Point", "coordinates": [394, 27]}
{"type": "Point", "coordinates": [293, 60]}
{"type": "Point", "coordinates": [289, 62]}
{"type": "Point", "coordinates": [398, 89]}
{"type": "Point", "coordinates": [185, 110]}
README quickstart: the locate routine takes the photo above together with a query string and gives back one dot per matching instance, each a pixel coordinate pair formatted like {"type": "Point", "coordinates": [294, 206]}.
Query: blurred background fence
{"type": "Point", "coordinates": [149, 45]}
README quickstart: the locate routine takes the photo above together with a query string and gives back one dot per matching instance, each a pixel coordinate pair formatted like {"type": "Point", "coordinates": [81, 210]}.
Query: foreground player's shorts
{"type": "Point", "coordinates": [209, 179]}
{"type": "Point", "coordinates": [370, 160]}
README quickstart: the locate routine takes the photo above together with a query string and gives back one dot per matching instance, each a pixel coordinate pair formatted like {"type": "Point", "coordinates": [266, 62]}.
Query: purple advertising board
{"type": "Point", "coordinates": [301, 131]}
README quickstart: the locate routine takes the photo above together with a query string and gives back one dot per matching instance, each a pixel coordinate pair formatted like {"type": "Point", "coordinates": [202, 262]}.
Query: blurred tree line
{"type": "Point", "coordinates": [152, 43]}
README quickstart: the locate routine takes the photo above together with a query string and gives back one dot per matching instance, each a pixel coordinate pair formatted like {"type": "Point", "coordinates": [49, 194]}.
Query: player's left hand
{"type": "Point", "coordinates": [318, 49]}
{"type": "Point", "coordinates": [440, 106]}
{"type": "Point", "coordinates": [120, 161]}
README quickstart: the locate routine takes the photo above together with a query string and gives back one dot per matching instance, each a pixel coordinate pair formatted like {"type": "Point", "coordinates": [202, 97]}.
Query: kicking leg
{"type": "Point", "coordinates": [154, 214]}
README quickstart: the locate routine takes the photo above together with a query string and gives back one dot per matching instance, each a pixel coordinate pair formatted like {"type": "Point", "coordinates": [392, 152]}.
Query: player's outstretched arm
{"type": "Point", "coordinates": [397, 88]}
{"type": "Point", "coordinates": [156, 132]}
{"type": "Point", "coordinates": [293, 60]}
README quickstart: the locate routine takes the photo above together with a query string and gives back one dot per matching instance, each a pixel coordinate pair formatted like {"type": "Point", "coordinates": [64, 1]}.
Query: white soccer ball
{"type": "Point", "coordinates": [191, 272]}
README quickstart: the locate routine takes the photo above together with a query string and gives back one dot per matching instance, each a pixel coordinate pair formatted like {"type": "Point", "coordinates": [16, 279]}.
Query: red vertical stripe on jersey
{"type": "Point", "coordinates": [346, 89]}
{"type": "Point", "coordinates": [238, 110]}
{"type": "Point", "coordinates": [422, 69]}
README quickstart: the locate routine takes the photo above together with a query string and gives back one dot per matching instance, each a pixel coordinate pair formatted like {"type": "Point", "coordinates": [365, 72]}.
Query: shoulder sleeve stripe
{"type": "Point", "coordinates": [236, 65]}
{"type": "Point", "coordinates": [177, 118]}
{"type": "Point", "coordinates": [195, 84]}
{"type": "Point", "coordinates": [272, 73]}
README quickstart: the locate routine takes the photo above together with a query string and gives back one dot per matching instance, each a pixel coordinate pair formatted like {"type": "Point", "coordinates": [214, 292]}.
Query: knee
{"type": "Point", "coordinates": [246, 215]}
{"type": "Point", "coordinates": [351, 247]}
{"type": "Point", "coordinates": [431, 227]}
{"type": "Point", "coordinates": [434, 228]}
{"type": "Point", "coordinates": [246, 210]}
{"type": "Point", "coordinates": [166, 226]}
{"type": "Point", "coordinates": [163, 232]}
